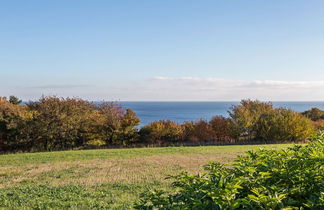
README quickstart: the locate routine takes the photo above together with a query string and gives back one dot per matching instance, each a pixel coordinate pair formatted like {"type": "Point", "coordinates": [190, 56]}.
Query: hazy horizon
{"type": "Point", "coordinates": [124, 101]}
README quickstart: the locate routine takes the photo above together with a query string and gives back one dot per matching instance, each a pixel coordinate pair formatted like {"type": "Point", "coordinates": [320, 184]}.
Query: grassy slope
{"type": "Point", "coordinates": [100, 178]}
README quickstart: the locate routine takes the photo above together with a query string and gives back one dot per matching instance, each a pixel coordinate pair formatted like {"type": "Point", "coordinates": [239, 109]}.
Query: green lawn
{"type": "Point", "coordinates": [107, 178]}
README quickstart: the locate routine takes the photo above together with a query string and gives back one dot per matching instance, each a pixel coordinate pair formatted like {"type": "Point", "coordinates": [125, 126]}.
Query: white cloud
{"type": "Point", "coordinates": [239, 83]}
{"type": "Point", "coordinates": [197, 88]}
{"type": "Point", "coordinates": [59, 86]}
{"type": "Point", "coordinates": [182, 89]}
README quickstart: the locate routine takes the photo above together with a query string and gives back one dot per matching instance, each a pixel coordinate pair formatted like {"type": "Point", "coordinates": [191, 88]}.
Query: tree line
{"type": "Point", "coordinates": [54, 123]}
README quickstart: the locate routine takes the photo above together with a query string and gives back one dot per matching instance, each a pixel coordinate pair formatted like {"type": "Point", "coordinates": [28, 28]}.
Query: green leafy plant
{"type": "Point", "coordinates": [291, 178]}
{"type": "Point", "coordinates": [319, 135]}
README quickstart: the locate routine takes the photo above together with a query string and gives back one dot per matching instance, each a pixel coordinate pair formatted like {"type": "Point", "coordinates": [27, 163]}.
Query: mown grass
{"type": "Point", "coordinates": [110, 178]}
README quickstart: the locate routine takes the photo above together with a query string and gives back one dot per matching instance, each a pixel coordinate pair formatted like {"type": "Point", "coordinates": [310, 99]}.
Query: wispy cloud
{"type": "Point", "coordinates": [58, 86]}
{"type": "Point", "coordinates": [183, 89]}
{"type": "Point", "coordinates": [210, 88]}
{"type": "Point", "coordinates": [239, 83]}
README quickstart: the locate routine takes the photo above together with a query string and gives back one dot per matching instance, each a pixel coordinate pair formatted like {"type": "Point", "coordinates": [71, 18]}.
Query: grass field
{"type": "Point", "coordinates": [110, 178]}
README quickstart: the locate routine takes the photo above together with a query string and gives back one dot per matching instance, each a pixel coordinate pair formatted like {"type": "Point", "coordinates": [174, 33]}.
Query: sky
{"type": "Point", "coordinates": [163, 50]}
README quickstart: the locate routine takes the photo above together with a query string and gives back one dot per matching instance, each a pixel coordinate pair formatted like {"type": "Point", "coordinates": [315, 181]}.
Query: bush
{"type": "Point", "coordinates": [254, 120]}
{"type": "Point", "coordinates": [319, 135]}
{"type": "Point", "coordinates": [314, 114]}
{"type": "Point", "coordinates": [96, 143]}
{"type": "Point", "coordinates": [283, 125]}
{"type": "Point", "coordinates": [162, 131]}
{"type": "Point", "coordinates": [59, 123]}
{"type": "Point", "coordinates": [291, 178]}
{"type": "Point", "coordinates": [244, 118]}
{"type": "Point", "coordinates": [221, 129]}
{"type": "Point", "coordinates": [53, 123]}
{"type": "Point", "coordinates": [117, 125]}
{"type": "Point", "coordinates": [199, 131]}
{"type": "Point", "coordinates": [12, 119]}
{"type": "Point", "coordinates": [217, 130]}
{"type": "Point", "coordinates": [318, 125]}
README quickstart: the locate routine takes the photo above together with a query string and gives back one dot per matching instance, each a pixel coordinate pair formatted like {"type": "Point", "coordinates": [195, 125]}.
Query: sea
{"type": "Point", "coordinates": [193, 111]}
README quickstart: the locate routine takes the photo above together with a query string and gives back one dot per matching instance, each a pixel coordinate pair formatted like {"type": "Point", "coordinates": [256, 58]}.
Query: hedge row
{"type": "Point", "coordinates": [53, 123]}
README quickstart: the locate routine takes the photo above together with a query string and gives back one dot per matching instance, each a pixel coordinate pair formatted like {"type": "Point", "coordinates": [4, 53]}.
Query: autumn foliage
{"type": "Point", "coordinates": [53, 123]}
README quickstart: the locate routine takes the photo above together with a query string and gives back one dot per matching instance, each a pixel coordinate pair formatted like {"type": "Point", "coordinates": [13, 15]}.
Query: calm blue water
{"type": "Point", "coordinates": [191, 111]}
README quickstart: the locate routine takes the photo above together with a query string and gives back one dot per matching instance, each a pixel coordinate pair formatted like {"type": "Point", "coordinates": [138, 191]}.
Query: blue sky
{"type": "Point", "coordinates": [163, 50]}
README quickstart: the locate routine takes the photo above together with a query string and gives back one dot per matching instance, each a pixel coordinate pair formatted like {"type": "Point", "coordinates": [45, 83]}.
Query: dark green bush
{"type": "Point", "coordinates": [291, 178]}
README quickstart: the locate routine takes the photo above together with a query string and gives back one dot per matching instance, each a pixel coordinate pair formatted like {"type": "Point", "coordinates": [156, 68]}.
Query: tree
{"type": "Point", "coordinates": [129, 132]}
{"type": "Point", "coordinates": [283, 125]}
{"type": "Point", "coordinates": [60, 123]}
{"type": "Point", "coordinates": [221, 128]}
{"type": "Point", "coordinates": [118, 126]}
{"type": "Point", "coordinates": [245, 116]}
{"type": "Point", "coordinates": [163, 131]}
{"type": "Point", "coordinates": [12, 119]}
{"type": "Point", "coordinates": [254, 120]}
{"type": "Point", "coordinates": [14, 100]}
{"type": "Point", "coordinates": [202, 131]}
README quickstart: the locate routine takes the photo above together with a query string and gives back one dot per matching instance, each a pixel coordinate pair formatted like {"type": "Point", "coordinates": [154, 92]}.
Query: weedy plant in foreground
{"type": "Point", "coordinates": [319, 135]}
{"type": "Point", "coordinates": [291, 178]}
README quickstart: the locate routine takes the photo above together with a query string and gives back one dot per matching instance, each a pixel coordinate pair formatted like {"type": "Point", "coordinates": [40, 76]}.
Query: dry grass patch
{"type": "Point", "coordinates": [113, 178]}
{"type": "Point", "coordinates": [93, 172]}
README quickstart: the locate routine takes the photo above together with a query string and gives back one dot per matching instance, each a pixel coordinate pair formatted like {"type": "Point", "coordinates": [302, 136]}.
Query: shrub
{"type": "Point", "coordinates": [189, 132]}
{"type": "Point", "coordinates": [291, 178]}
{"type": "Point", "coordinates": [283, 125]}
{"type": "Point", "coordinates": [162, 131]}
{"type": "Point", "coordinates": [245, 116]}
{"type": "Point", "coordinates": [216, 130]}
{"type": "Point", "coordinates": [59, 123]}
{"type": "Point", "coordinates": [12, 119]}
{"type": "Point", "coordinates": [254, 120]}
{"type": "Point", "coordinates": [314, 114]}
{"type": "Point", "coordinates": [221, 129]}
{"type": "Point", "coordinates": [95, 143]}
{"type": "Point", "coordinates": [318, 125]}
{"type": "Point", "coordinates": [199, 131]}
{"type": "Point", "coordinates": [117, 125]}
{"type": "Point", "coordinates": [53, 123]}
{"type": "Point", "coordinates": [319, 135]}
